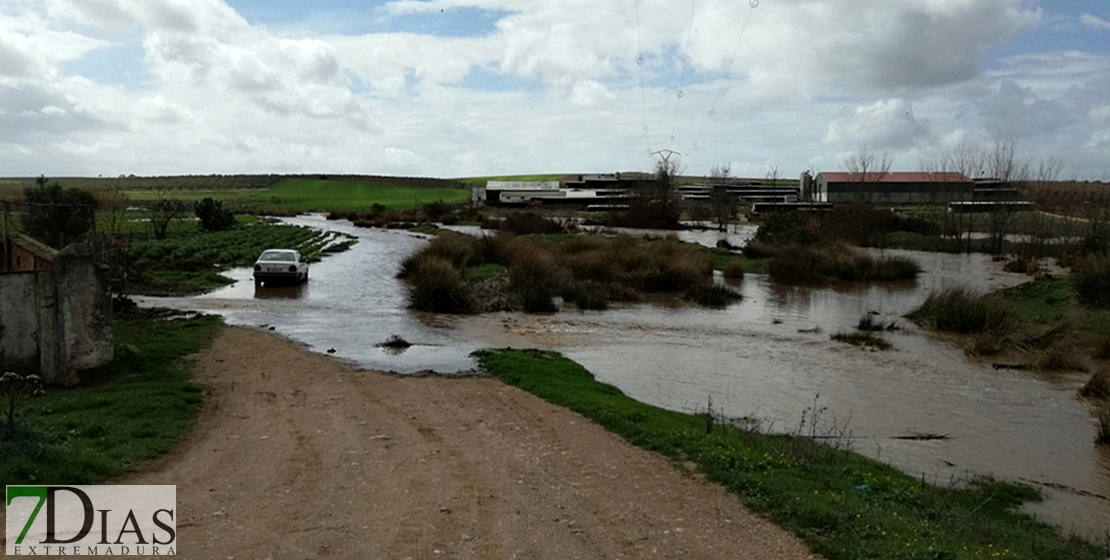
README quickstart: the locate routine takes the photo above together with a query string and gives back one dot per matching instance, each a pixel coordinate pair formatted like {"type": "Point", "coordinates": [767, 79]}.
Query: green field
{"type": "Point", "coordinates": [307, 195]}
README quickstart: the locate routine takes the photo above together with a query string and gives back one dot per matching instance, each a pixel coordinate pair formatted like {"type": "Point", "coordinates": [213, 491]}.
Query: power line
{"type": "Point", "coordinates": [753, 4]}
{"type": "Point", "coordinates": [640, 62]}
{"type": "Point", "coordinates": [685, 63]}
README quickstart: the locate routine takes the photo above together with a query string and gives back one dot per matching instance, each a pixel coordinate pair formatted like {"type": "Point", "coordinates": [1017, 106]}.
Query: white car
{"type": "Point", "coordinates": [280, 265]}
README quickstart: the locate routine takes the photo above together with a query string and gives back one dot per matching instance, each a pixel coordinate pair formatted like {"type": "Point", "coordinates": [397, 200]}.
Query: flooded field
{"type": "Point", "coordinates": [768, 357]}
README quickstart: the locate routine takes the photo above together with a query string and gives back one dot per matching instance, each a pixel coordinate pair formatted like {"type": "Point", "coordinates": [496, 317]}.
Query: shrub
{"type": "Point", "coordinates": [1098, 387]}
{"type": "Point", "coordinates": [587, 295]}
{"type": "Point", "coordinates": [533, 276]}
{"type": "Point", "coordinates": [787, 228]}
{"type": "Point", "coordinates": [455, 248]}
{"type": "Point", "coordinates": [862, 339]}
{"type": "Point", "coordinates": [895, 268]}
{"type": "Point", "coordinates": [1061, 355]}
{"type": "Point", "coordinates": [435, 285]}
{"type": "Point", "coordinates": [734, 269]}
{"type": "Point", "coordinates": [213, 216]}
{"type": "Point", "coordinates": [1092, 282]}
{"type": "Point", "coordinates": [529, 223]}
{"type": "Point", "coordinates": [757, 250]}
{"type": "Point", "coordinates": [960, 311]}
{"type": "Point", "coordinates": [713, 295]}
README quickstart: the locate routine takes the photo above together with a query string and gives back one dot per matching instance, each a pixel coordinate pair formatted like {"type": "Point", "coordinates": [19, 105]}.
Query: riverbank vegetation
{"type": "Point", "coordinates": [844, 505]}
{"type": "Point", "coordinates": [461, 274]}
{"type": "Point", "coordinates": [133, 410]}
{"type": "Point", "coordinates": [803, 250]}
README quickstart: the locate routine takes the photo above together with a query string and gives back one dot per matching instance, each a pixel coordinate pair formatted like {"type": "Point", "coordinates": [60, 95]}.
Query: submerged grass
{"type": "Point", "coordinates": [844, 505]}
{"type": "Point", "coordinates": [810, 264]}
{"type": "Point", "coordinates": [862, 339]}
{"type": "Point", "coordinates": [133, 410]}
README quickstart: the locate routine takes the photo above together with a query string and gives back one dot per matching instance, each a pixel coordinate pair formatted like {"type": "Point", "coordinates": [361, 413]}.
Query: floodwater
{"type": "Point", "coordinates": [761, 358]}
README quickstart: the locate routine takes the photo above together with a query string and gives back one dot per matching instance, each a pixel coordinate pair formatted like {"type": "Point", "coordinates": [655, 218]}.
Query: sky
{"type": "Point", "coordinates": [457, 88]}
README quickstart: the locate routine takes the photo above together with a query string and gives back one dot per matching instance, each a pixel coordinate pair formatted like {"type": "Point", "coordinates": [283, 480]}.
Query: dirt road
{"type": "Point", "coordinates": [299, 456]}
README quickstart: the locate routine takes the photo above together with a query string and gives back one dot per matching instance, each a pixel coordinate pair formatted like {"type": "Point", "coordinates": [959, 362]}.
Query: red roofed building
{"type": "Point", "coordinates": [892, 188]}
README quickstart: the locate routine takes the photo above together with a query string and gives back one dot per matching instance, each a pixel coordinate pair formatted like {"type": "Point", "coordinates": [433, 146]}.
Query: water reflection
{"type": "Point", "coordinates": [281, 292]}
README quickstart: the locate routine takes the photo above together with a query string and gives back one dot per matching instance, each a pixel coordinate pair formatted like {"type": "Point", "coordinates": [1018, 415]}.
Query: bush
{"type": "Point", "coordinates": [795, 264]}
{"type": "Point", "coordinates": [756, 250]}
{"type": "Point", "coordinates": [960, 311]}
{"type": "Point", "coordinates": [587, 295]}
{"type": "Point", "coordinates": [57, 216]}
{"type": "Point", "coordinates": [533, 276]}
{"type": "Point", "coordinates": [530, 223]}
{"type": "Point", "coordinates": [734, 269]}
{"type": "Point", "coordinates": [1098, 387]}
{"type": "Point", "coordinates": [781, 228]}
{"type": "Point", "coordinates": [1092, 282]}
{"type": "Point", "coordinates": [713, 295]}
{"type": "Point", "coordinates": [435, 285]}
{"type": "Point", "coordinates": [213, 216]}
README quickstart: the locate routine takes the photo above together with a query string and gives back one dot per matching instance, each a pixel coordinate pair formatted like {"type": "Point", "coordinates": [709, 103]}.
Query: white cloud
{"type": "Point", "coordinates": [888, 123]}
{"type": "Point", "coordinates": [1094, 22]}
{"type": "Point", "coordinates": [552, 85]}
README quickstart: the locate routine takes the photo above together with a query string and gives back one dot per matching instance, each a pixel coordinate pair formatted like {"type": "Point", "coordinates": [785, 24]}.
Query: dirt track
{"type": "Point", "coordinates": [298, 456]}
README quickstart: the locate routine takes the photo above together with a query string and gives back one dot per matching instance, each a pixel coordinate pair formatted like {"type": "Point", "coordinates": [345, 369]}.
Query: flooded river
{"type": "Point", "coordinates": [761, 358]}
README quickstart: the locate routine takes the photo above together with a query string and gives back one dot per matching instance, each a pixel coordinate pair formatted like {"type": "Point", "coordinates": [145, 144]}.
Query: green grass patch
{"type": "Point", "coordinates": [1052, 299]}
{"type": "Point", "coordinates": [319, 195]}
{"type": "Point", "coordinates": [723, 260]}
{"type": "Point", "coordinates": [485, 271]}
{"type": "Point", "coordinates": [844, 505]}
{"type": "Point", "coordinates": [129, 412]}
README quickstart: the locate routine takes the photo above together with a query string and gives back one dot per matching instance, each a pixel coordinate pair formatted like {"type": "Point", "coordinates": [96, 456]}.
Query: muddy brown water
{"type": "Point", "coordinates": [761, 358]}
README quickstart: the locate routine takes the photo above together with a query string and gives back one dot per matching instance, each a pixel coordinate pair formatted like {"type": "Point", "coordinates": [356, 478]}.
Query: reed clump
{"type": "Point", "coordinates": [958, 310]}
{"type": "Point", "coordinates": [809, 264]}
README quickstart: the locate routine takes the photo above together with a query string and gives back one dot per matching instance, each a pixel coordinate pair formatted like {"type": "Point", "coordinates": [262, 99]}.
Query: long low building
{"type": "Point", "coordinates": [892, 188]}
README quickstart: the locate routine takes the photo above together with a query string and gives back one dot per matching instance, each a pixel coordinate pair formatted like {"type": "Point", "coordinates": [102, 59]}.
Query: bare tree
{"type": "Point", "coordinates": [773, 176]}
{"type": "Point", "coordinates": [723, 205]}
{"type": "Point", "coordinates": [1011, 174]}
{"type": "Point", "coordinates": [657, 204]}
{"type": "Point", "coordinates": [866, 167]}
{"type": "Point", "coordinates": [160, 213]}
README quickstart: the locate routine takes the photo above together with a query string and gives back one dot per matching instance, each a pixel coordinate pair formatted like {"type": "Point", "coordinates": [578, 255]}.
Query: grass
{"type": "Point", "coordinates": [320, 195]}
{"type": "Point", "coordinates": [1052, 299]}
{"type": "Point", "coordinates": [844, 505]}
{"type": "Point", "coordinates": [864, 339]}
{"type": "Point", "coordinates": [810, 264]}
{"type": "Point", "coordinates": [957, 310]}
{"type": "Point", "coordinates": [1098, 387]}
{"type": "Point", "coordinates": [868, 323]}
{"type": "Point", "coordinates": [713, 295]}
{"type": "Point", "coordinates": [129, 412]}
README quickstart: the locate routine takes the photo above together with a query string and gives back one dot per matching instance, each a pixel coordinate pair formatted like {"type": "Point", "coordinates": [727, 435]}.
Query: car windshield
{"type": "Point", "coordinates": [280, 256]}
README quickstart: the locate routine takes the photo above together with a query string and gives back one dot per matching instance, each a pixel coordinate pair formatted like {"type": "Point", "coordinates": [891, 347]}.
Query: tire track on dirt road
{"type": "Point", "coordinates": [300, 456]}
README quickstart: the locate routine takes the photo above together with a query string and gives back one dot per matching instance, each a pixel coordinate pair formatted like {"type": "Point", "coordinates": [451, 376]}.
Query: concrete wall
{"type": "Point", "coordinates": [56, 322]}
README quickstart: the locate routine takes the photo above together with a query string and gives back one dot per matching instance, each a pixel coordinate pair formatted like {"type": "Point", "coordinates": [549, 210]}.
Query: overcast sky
{"type": "Point", "coordinates": [475, 87]}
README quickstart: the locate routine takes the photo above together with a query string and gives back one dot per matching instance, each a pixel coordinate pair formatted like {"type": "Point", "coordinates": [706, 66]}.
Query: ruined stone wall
{"type": "Point", "coordinates": [56, 322]}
